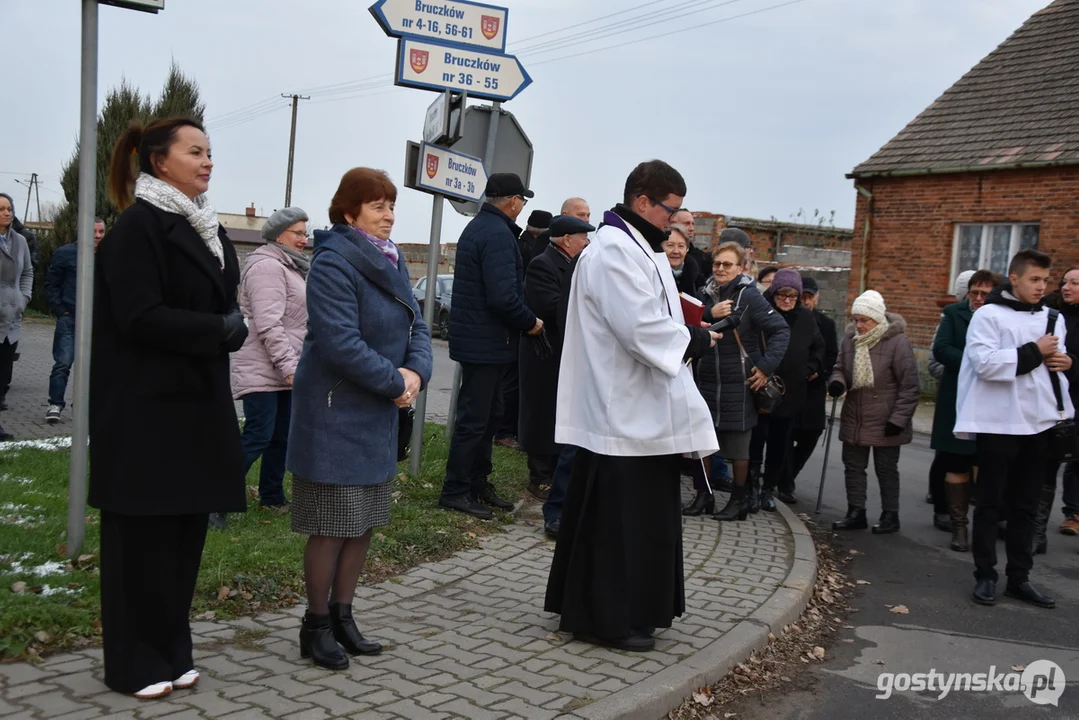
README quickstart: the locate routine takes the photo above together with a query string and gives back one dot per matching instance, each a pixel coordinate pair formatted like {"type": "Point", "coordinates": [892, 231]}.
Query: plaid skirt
{"type": "Point", "coordinates": [345, 511]}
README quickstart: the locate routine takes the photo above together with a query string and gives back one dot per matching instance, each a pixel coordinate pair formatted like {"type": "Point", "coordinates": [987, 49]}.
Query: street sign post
{"type": "Point", "coordinates": [443, 122]}
{"type": "Point", "coordinates": [429, 65]}
{"type": "Point", "coordinates": [451, 173]}
{"type": "Point", "coordinates": [455, 21]}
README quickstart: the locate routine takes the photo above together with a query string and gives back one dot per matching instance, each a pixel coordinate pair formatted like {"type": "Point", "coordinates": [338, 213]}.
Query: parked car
{"type": "Point", "coordinates": [443, 294]}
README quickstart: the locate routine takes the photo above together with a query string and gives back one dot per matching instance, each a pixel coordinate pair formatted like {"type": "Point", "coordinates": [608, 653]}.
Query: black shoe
{"type": "Point", "coordinates": [786, 497]}
{"type": "Point", "coordinates": [889, 523]}
{"type": "Point", "coordinates": [347, 634]}
{"type": "Point", "coordinates": [633, 643]}
{"type": "Point", "coordinates": [703, 503]}
{"type": "Point", "coordinates": [487, 496]}
{"type": "Point", "coordinates": [551, 529]}
{"type": "Point", "coordinates": [219, 521]}
{"type": "Point", "coordinates": [942, 521]}
{"type": "Point", "coordinates": [466, 505]}
{"type": "Point", "coordinates": [317, 643]}
{"type": "Point", "coordinates": [737, 507]}
{"type": "Point", "coordinates": [985, 592]}
{"type": "Point", "coordinates": [929, 498]}
{"type": "Point", "coordinates": [768, 503]}
{"type": "Point", "coordinates": [1028, 593]}
{"type": "Point", "coordinates": [855, 520]}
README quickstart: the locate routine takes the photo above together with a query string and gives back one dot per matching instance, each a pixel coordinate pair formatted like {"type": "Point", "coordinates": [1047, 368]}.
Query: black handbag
{"type": "Point", "coordinates": [406, 418]}
{"type": "Point", "coordinates": [1063, 438]}
{"type": "Point", "coordinates": [768, 398]}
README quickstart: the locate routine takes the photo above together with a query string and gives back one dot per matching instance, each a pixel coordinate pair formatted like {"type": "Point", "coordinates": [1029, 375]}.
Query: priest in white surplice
{"type": "Point", "coordinates": [627, 399]}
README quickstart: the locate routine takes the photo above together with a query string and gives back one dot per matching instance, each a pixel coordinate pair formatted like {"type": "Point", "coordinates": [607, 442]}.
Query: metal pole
{"type": "Point", "coordinates": [291, 150]}
{"type": "Point", "coordinates": [827, 447]}
{"type": "Point", "coordinates": [84, 299]}
{"type": "Point", "coordinates": [434, 252]}
{"type": "Point", "coordinates": [29, 193]}
{"type": "Point", "coordinates": [488, 160]}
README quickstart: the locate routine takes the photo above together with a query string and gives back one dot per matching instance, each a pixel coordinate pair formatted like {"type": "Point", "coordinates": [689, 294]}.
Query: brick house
{"type": "Point", "coordinates": [990, 167]}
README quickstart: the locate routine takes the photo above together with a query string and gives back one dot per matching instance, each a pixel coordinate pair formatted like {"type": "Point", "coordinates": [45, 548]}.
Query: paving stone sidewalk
{"type": "Point", "coordinates": [468, 638]}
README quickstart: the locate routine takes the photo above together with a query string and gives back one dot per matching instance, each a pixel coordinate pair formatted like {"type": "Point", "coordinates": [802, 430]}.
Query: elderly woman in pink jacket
{"type": "Point", "coordinates": [273, 300]}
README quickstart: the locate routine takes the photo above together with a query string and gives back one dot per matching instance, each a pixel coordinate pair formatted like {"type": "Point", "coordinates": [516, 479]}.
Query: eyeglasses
{"type": "Point", "coordinates": [298, 233]}
{"type": "Point", "coordinates": [724, 264]}
{"type": "Point", "coordinates": [670, 210]}
{"type": "Point", "coordinates": [524, 200]}
{"type": "Point", "coordinates": [978, 294]}
{"type": "Point", "coordinates": [787, 295]}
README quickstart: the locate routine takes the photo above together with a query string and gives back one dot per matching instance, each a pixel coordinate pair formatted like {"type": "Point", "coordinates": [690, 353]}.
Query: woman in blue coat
{"type": "Point", "coordinates": [366, 355]}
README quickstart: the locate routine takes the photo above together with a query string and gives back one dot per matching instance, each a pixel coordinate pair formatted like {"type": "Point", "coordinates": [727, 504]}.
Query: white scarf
{"type": "Point", "coordinates": [863, 363]}
{"type": "Point", "coordinates": [199, 212]}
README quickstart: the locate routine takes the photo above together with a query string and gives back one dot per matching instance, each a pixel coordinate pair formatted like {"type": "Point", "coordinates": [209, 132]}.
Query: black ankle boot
{"type": "Point", "coordinates": [317, 643]}
{"type": "Point", "coordinates": [737, 508]}
{"type": "Point", "coordinates": [768, 502]}
{"type": "Point", "coordinates": [703, 503]}
{"type": "Point", "coordinates": [347, 634]}
{"type": "Point", "coordinates": [889, 523]}
{"type": "Point", "coordinates": [753, 497]}
{"type": "Point", "coordinates": [855, 520]}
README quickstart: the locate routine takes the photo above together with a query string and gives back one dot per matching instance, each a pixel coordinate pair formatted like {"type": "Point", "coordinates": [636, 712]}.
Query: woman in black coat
{"type": "Point", "coordinates": [164, 440]}
{"type": "Point", "coordinates": [802, 360]}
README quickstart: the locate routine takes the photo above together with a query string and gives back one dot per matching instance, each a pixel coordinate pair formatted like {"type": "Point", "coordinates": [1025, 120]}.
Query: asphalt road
{"type": "Point", "coordinates": [944, 630]}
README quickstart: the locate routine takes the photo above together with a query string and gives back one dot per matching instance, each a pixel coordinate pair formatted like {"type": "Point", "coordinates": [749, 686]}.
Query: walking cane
{"type": "Point", "coordinates": [827, 447]}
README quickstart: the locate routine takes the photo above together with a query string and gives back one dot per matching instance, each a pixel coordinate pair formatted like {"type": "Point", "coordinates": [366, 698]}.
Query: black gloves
{"type": "Point", "coordinates": [892, 430]}
{"type": "Point", "coordinates": [700, 340]}
{"type": "Point", "coordinates": [235, 330]}
{"type": "Point", "coordinates": [540, 344]}
{"type": "Point", "coordinates": [836, 388]}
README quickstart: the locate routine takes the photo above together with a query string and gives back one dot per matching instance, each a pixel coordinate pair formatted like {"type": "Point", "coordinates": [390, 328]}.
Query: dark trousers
{"type": "Point", "coordinates": [149, 565]}
{"type": "Point", "coordinates": [511, 403]}
{"type": "Point", "coordinates": [265, 435]}
{"type": "Point", "coordinates": [63, 355]}
{"type": "Point", "coordinates": [1011, 471]}
{"type": "Point", "coordinates": [541, 467]}
{"type": "Point", "coordinates": [552, 508]}
{"type": "Point", "coordinates": [885, 463]}
{"type": "Point", "coordinates": [8, 351]}
{"type": "Point", "coordinates": [937, 475]}
{"type": "Point", "coordinates": [1070, 493]}
{"type": "Point", "coordinates": [771, 435]}
{"type": "Point", "coordinates": [479, 408]}
{"type": "Point", "coordinates": [800, 448]}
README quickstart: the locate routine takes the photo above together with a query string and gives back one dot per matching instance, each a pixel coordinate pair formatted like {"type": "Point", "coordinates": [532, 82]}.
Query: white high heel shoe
{"type": "Point", "coordinates": [188, 679]}
{"type": "Point", "coordinates": [156, 690]}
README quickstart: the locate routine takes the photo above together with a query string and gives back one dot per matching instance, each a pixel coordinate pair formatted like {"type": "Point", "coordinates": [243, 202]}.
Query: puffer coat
{"type": "Point", "coordinates": [273, 298]}
{"type": "Point", "coordinates": [894, 395]}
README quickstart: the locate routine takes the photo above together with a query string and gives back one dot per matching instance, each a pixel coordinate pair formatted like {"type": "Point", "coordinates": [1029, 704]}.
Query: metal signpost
{"type": "Point", "coordinates": [457, 48]}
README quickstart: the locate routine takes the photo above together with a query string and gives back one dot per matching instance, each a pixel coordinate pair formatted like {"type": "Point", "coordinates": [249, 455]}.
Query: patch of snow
{"type": "Point", "coordinates": [44, 570]}
{"type": "Point", "coordinates": [47, 591]}
{"type": "Point", "coordinates": [55, 443]}
{"type": "Point", "coordinates": [6, 478]}
{"type": "Point", "coordinates": [12, 514]}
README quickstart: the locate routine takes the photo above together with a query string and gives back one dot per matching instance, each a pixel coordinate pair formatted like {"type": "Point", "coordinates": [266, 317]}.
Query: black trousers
{"type": "Point", "coordinates": [149, 566]}
{"type": "Point", "coordinates": [937, 472]}
{"type": "Point", "coordinates": [511, 403]}
{"type": "Point", "coordinates": [479, 409]}
{"type": "Point", "coordinates": [802, 444]}
{"type": "Point", "coordinates": [541, 468]}
{"type": "Point", "coordinates": [8, 351]}
{"type": "Point", "coordinates": [1011, 471]}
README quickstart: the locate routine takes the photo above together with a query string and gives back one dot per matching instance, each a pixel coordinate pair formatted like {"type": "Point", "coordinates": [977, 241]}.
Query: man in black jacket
{"type": "Point", "coordinates": [809, 425]}
{"type": "Point", "coordinates": [489, 315]}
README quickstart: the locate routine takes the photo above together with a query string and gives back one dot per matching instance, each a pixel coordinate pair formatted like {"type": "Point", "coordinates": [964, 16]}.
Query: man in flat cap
{"type": "Point", "coordinates": [489, 316]}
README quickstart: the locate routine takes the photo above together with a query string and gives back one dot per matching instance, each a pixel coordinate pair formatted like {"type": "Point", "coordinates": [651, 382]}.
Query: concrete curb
{"type": "Point", "coordinates": [666, 690]}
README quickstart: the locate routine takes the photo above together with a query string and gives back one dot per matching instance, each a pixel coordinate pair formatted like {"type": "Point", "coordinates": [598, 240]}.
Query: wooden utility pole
{"type": "Point", "coordinates": [292, 146]}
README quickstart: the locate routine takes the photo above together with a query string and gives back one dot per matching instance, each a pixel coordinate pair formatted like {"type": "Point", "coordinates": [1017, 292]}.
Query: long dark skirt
{"type": "Point", "coordinates": [149, 566]}
{"type": "Point", "coordinates": [618, 563]}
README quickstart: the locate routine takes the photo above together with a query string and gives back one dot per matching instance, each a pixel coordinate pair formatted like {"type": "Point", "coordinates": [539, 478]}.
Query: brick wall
{"type": "Point", "coordinates": [416, 259]}
{"type": "Point", "coordinates": [912, 231]}
{"type": "Point", "coordinates": [770, 235]}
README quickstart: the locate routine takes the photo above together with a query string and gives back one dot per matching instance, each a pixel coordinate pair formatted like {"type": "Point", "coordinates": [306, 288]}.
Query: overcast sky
{"type": "Point", "coordinates": [762, 114]}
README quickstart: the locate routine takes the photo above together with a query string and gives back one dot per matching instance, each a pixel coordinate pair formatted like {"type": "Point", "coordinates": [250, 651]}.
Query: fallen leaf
{"type": "Point", "coordinates": [879, 662]}
{"type": "Point", "coordinates": [848, 640]}
{"type": "Point", "coordinates": [208, 615]}
{"type": "Point", "coordinates": [18, 588]}
{"type": "Point", "coordinates": [252, 492]}
{"type": "Point", "coordinates": [856, 552]}
{"type": "Point", "coordinates": [85, 558]}
{"type": "Point", "coordinates": [61, 549]}
{"type": "Point", "coordinates": [472, 534]}
{"type": "Point", "coordinates": [1019, 668]}
{"type": "Point", "coordinates": [41, 636]}
{"type": "Point", "coordinates": [784, 678]}
{"type": "Point", "coordinates": [427, 486]}
{"type": "Point", "coordinates": [771, 637]}
{"type": "Point", "coordinates": [223, 592]}
{"type": "Point", "coordinates": [702, 699]}
{"type": "Point", "coordinates": [395, 494]}
{"type": "Point", "coordinates": [246, 595]}
{"type": "Point", "coordinates": [730, 715]}
{"type": "Point", "coordinates": [265, 522]}
{"type": "Point", "coordinates": [805, 660]}
{"type": "Point", "coordinates": [864, 582]}
{"type": "Point", "coordinates": [900, 610]}
{"type": "Point", "coordinates": [818, 652]}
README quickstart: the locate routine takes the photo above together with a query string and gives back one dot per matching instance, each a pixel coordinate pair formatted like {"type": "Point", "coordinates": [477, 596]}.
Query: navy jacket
{"type": "Point", "coordinates": [489, 312]}
{"type": "Point", "coordinates": [60, 279]}
{"type": "Point", "coordinates": [363, 324]}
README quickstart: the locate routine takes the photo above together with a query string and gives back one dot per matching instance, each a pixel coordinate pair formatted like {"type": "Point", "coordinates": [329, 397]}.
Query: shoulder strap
{"type": "Point", "coordinates": [1053, 314]}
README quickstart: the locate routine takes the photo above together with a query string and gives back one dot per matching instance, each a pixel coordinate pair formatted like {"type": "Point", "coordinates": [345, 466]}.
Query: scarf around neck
{"type": "Point", "coordinates": [299, 259]}
{"type": "Point", "coordinates": [863, 364]}
{"type": "Point", "coordinates": [199, 212]}
{"type": "Point", "coordinates": [386, 247]}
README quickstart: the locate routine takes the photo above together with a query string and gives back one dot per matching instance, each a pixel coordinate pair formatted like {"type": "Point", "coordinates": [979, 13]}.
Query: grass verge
{"type": "Point", "coordinates": [47, 603]}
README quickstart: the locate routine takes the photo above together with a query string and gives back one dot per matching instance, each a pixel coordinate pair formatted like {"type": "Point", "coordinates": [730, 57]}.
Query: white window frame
{"type": "Point", "coordinates": [983, 260]}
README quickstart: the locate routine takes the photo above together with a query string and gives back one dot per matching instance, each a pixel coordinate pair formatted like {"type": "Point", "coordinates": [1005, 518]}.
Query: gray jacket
{"type": "Point", "coordinates": [16, 285]}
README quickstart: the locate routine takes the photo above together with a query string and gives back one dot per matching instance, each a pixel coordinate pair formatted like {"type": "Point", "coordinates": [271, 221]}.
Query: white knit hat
{"type": "Point", "coordinates": [870, 304]}
{"type": "Point", "coordinates": [962, 285]}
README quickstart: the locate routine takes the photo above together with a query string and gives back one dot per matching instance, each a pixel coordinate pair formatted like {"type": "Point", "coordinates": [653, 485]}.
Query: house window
{"type": "Point", "coordinates": [990, 246]}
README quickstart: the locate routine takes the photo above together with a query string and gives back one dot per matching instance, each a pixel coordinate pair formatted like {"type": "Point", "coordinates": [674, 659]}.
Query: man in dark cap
{"type": "Point", "coordinates": [545, 281]}
{"type": "Point", "coordinates": [809, 424]}
{"type": "Point", "coordinates": [489, 315]}
{"type": "Point", "coordinates": [533, 241]}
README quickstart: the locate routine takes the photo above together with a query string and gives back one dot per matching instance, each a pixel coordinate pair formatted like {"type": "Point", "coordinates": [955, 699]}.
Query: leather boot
{"type": "Point", "coordinates": [889, 523]}
{"type": "Point", "coordinates": [1041, 520]}
{"type": "Point", "coordinates": [347, 634]}
{"type": "Point", "coordinates": [317, 643]}
{"type": "Point", "coordinates": [942, 521]}
{"type": "Point", "coordinates": [958, 500]}
{"type": "Point", "coordinates": [855, 520]}
{"type": "Point", "coordinates": [753, 496]}
{"type": "Point", "coordinates": [768, 501]}
{"type": "Point", "coordinates": [737, 507]}
{"type": "Point", "coordinates": [703, 503]}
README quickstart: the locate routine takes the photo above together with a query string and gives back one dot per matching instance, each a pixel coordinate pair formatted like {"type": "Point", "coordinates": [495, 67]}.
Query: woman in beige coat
{"type": "Point", "coordinates": [877, 370]}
